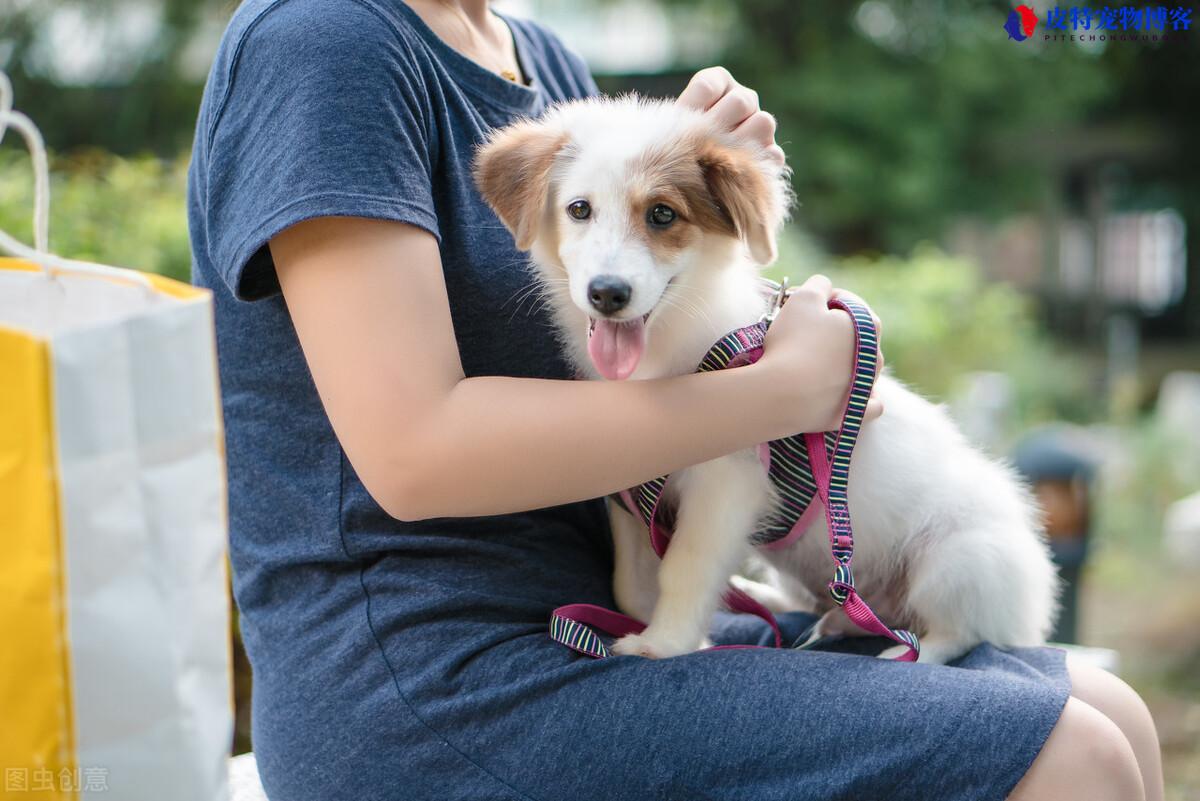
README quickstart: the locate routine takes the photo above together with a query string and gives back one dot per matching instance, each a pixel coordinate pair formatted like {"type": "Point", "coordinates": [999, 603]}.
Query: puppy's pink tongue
{"type": "Point", "coordinates": [616, 348]}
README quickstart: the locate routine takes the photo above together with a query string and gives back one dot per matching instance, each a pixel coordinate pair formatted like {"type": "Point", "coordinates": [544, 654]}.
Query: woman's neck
{"type": "Point", "coordinates": [476, 11]}
{"type": "Point", "coordinates": [470, 27]}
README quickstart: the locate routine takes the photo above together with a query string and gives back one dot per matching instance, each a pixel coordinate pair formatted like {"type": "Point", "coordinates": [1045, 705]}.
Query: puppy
{"type": "Point", "coordinates": [646, 227]}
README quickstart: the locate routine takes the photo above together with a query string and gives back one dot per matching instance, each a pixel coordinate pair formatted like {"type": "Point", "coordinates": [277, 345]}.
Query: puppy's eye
{"type": "Point", "coordinates": [579, 209]}
{"type": "Point", "coordinates": [660, 216]}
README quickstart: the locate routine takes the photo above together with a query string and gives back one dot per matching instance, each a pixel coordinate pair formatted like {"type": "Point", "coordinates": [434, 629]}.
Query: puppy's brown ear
{"type": "Point", "coordinates": [512, 170]}
{"type": "Point", "coordinates": [750, 192]}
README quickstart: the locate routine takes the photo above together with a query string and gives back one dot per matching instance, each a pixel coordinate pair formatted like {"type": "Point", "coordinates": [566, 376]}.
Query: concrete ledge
{"type": "Point", "coordinates": [243, 779]}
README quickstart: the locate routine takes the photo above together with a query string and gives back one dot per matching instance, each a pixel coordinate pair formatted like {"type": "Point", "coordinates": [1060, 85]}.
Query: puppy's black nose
{"type": "Point", "coordinates": [609, 294]}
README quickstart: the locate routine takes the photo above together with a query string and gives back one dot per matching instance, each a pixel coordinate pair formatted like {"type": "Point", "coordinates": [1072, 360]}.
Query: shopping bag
{"type": "Point", "coordinates": [115, 660]}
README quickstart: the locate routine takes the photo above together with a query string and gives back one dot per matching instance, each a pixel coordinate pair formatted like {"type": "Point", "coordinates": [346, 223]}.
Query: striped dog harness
{"type": "Point", "coordinates": [809, 471]}
{"type": "Point", "coordinates": [785, 460]}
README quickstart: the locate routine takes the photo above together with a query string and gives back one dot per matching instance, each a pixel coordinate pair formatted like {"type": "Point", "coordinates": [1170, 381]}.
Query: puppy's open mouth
{"type": "Point", "coordinates": [616, 347]}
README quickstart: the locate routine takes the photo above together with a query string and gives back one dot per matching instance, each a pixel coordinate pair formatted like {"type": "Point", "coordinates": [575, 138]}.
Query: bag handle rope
{"type": "Point", "coordinates": [40, 254]}
{"type": "Point", "coordinates": [37, 152]}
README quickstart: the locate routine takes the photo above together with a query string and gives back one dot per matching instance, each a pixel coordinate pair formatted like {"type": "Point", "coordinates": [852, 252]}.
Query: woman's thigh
{"type": "Point", "coordinates": [528, 721]}
{"type": "Point", "coordinates": [787, 725]}
{"type": "Point", "coordinates": [455, 700]}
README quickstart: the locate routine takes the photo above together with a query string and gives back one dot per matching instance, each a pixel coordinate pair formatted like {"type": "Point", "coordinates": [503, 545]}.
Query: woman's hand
{"type": "Point", "coordinates": [733, 106]}
{"type": "Point", "coordinates": [810, 351]}
{"type": "Point", "coordinates": [811, 345]}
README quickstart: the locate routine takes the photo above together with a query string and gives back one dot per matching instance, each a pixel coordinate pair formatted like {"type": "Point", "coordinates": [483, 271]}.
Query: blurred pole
{"type": "Point", "coordinates": [1122, 346]}
{"type": "Point", "coordinates": [1105, 320]}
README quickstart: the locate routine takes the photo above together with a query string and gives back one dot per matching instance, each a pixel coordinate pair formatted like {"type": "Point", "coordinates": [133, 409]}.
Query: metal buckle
{"type": "Point", "coordinates": [779, 294]}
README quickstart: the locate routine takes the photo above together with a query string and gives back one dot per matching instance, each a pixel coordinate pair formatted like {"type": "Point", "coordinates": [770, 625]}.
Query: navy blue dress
{"type": "Point", "coordinates": [410, 661]}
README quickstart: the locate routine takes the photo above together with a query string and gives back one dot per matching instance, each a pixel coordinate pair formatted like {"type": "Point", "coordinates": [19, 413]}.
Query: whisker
{"type": "Point", "coordinates": [540, 292]}
{"type": "Point", "coordinates": [688, 306]}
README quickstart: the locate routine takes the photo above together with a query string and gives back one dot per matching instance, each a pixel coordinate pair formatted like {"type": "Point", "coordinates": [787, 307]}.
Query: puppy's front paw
{"type": "Point", "coordinates": [895, 652]}
{"type": "Point", "coordinates": [650, 646]}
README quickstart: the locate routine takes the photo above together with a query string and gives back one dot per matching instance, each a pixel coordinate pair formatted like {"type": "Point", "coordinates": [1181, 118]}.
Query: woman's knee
{"type": "Point", "coordinates": [1086, 757]}
{"type": "Point", "coordinates": [1114, 698]}
{"type": "Point", "coordinates": [1121, 704]}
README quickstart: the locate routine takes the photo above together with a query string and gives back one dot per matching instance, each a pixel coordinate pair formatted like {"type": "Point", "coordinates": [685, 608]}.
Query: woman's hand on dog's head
{"type": "Point", "coordinates": [735, 108]}
{"type": "Point", "coordinates": [810, 351]}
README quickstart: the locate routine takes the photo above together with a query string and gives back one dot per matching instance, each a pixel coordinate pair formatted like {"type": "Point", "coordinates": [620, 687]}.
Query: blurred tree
{"type": "Point", "coordinates": [901, 113]}
{"type": "Point", "coordinates": [116, 74]}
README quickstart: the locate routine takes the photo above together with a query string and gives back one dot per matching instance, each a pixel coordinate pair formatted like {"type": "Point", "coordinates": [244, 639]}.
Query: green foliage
{"type": "Point", "coordinates": [1147, 472]}
{"type": "Point", "coordinates": [142, 94]}
{"type": "Point", "coordinates": [899, 115]}
{"type": "Point", "coordinates": [942, 319]}
{"type": "Point", "coordinates": [125, 212]}
{"type": "Point", "coordinates": [892, 133]}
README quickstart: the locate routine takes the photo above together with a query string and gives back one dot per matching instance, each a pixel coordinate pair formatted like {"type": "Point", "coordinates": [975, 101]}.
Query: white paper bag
{"type": "Point", "coordinates": [115, 670]}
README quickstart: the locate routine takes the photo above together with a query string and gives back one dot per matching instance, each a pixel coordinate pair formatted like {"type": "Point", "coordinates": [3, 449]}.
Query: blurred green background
{"type": "Point", "coordinates": [1022, 215]}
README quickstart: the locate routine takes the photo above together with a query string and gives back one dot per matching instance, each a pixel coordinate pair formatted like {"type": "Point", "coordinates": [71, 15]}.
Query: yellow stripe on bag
{"type": "Point", "coordinates": [37, 742]}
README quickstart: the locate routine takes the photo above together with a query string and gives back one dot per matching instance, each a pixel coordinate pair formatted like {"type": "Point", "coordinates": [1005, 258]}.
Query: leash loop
{"type": "Point", "coordinates": [842, 584]}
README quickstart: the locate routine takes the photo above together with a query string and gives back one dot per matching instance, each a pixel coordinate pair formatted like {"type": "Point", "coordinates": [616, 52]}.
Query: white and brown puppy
{"type": "Point", "coordinates": [646, 227]}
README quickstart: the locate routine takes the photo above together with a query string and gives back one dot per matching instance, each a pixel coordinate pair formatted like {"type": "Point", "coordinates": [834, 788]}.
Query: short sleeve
{"type": "Point", "coordinates": [322, 114]}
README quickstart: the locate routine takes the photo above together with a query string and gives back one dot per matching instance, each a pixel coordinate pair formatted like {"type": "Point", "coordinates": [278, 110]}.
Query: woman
{"type": "Point", "coordinates": [409, 470]}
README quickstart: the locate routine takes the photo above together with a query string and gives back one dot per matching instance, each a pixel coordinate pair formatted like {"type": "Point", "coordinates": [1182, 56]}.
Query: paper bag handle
{"type": "Point", "coordinates": [40, 253]}
{"type": "Point", "coordinates": [41, 165]}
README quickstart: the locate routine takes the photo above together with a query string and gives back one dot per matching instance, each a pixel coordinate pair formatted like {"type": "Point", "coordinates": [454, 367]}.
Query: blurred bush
{"type": "Point", "coordinates": [1148, 467]}
{"type": "Point", "coordinates": [942, 320]}
{"type": "Point", "coordinates": [129, 212]}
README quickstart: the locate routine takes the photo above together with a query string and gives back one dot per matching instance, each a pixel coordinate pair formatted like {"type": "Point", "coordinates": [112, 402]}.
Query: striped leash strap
{"type": "Point", "coordinates": [590, 629]}
{"type": "Point", "coordinates": [831, 470]}
{"type": "Point", "coordinates": [579, 627]}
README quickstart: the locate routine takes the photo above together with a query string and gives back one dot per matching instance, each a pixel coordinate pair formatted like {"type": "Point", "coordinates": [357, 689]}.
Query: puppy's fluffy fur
{"type": "Point", "coordinates": [947, 541]}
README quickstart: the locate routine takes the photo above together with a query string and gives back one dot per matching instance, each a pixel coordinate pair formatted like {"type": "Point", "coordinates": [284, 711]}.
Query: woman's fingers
{"type": "Point", "coordinates": [874, 409]}
{"type": "Point", "coordinates": [705, 88]}
{"type": "Point", "coordinates": [817, 285]}
{"type": "Point", "coordinates": [760, 127]}
{"type": "Point", "coordinates": [733, 107]}
{"type": "Point", "coordinates": [737, 106]}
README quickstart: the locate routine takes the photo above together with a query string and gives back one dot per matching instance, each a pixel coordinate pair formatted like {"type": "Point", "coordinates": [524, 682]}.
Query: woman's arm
{"type": "Point", "coordinates": [369, 304]}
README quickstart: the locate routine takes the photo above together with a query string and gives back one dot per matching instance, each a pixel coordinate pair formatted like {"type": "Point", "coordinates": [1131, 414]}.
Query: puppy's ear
{"type": "Point", "coordinates": [512, 170]}
{"type": "Point", "coordinates": [751, 193]}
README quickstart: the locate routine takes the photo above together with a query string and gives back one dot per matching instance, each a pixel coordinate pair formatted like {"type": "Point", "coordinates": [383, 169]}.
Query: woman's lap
{"type": "Point", "coordinates": [410, 714]}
